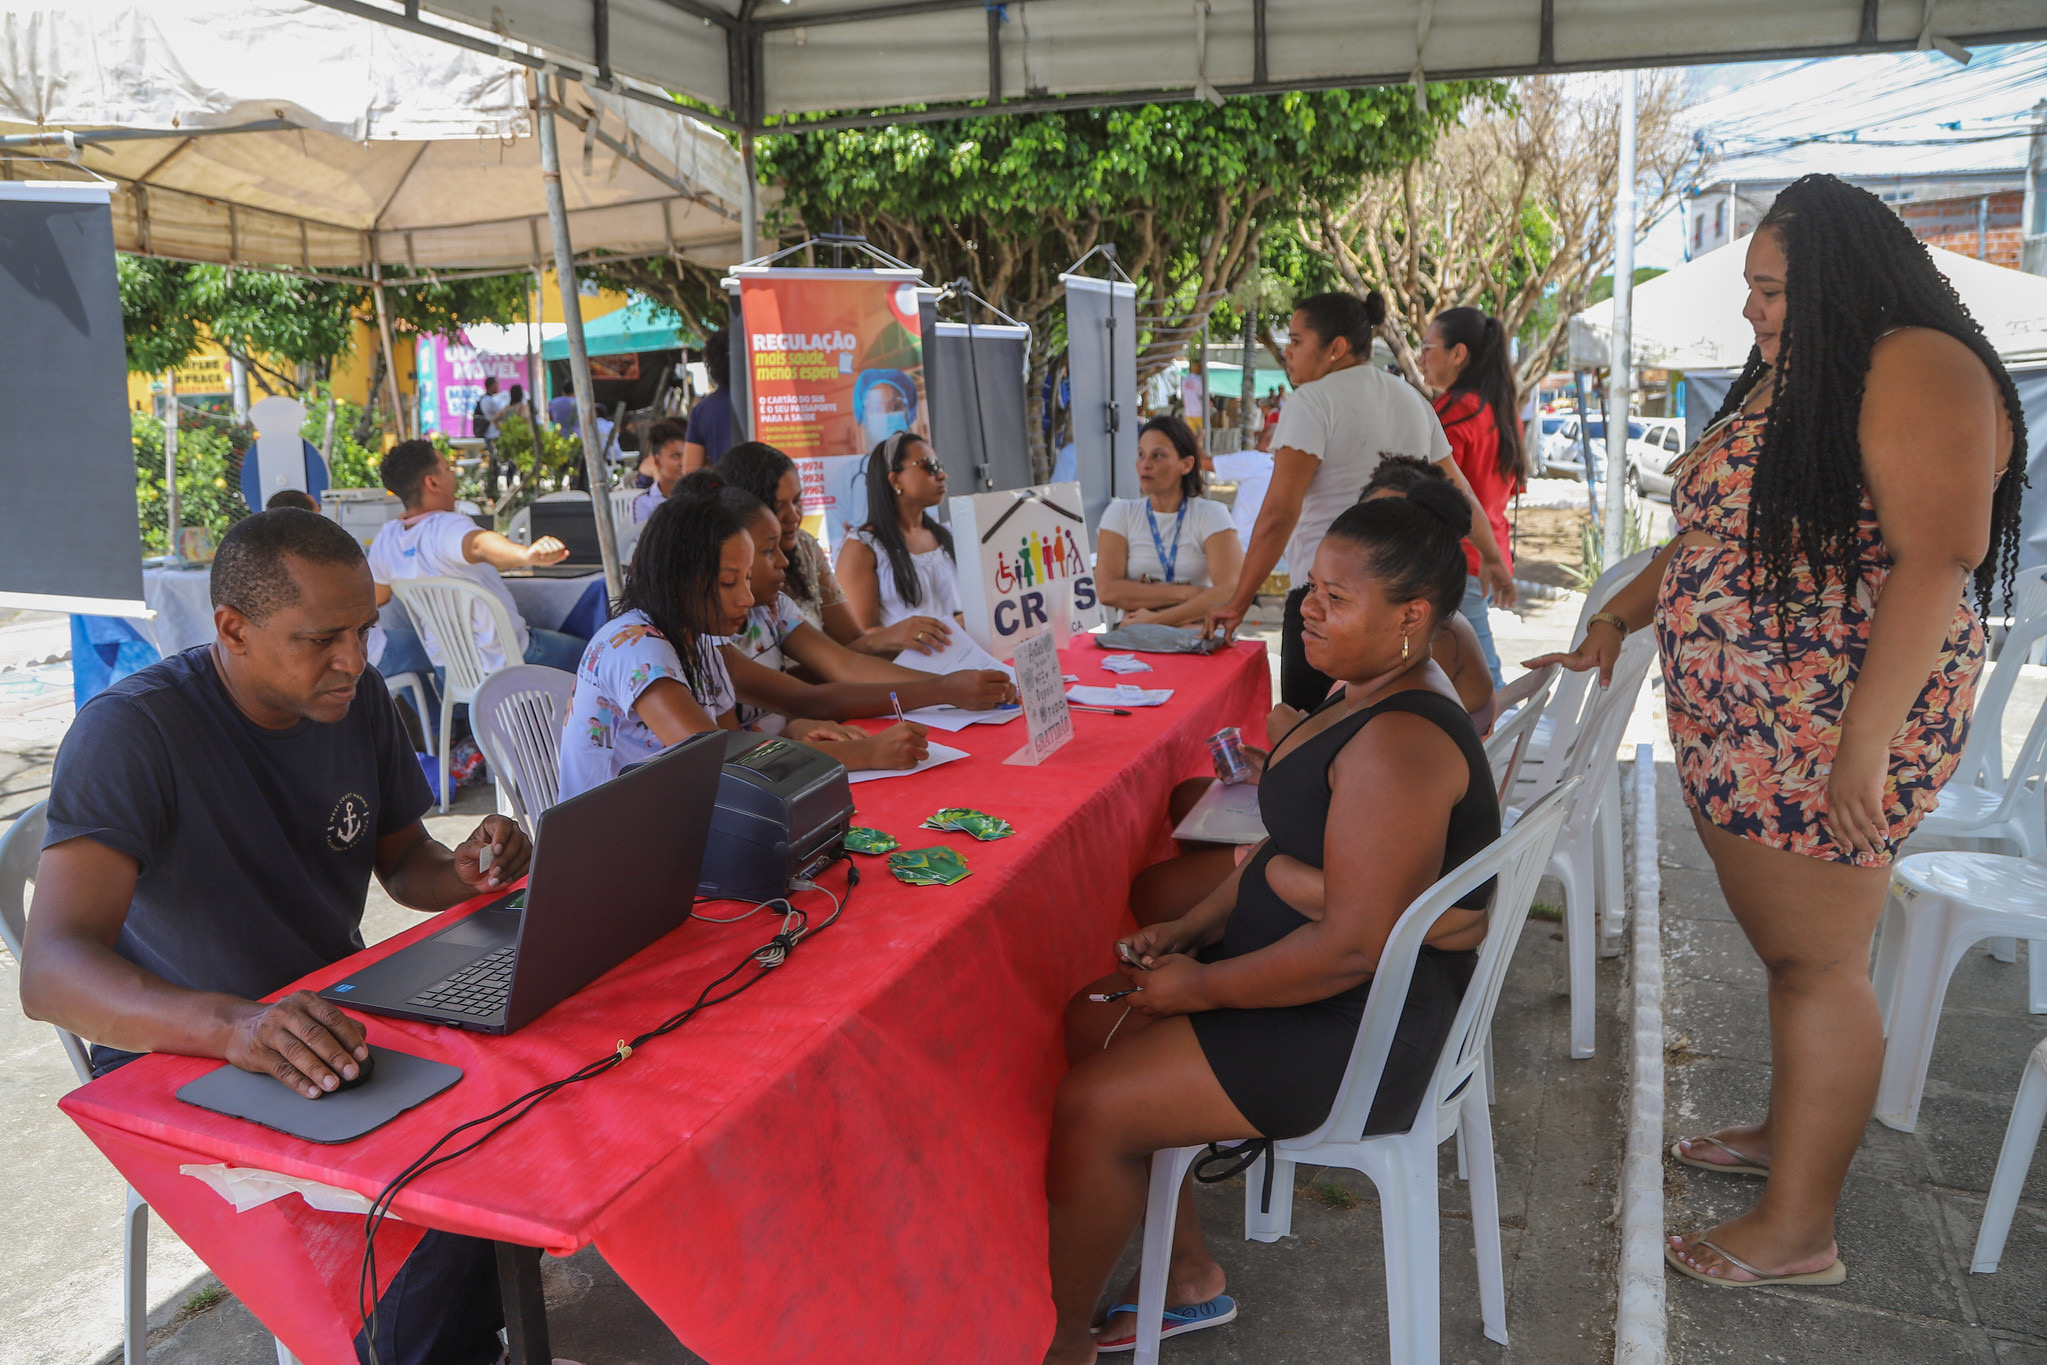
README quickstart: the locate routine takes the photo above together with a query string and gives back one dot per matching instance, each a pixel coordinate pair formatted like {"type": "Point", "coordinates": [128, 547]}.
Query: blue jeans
{"type": "Point", "coordinates": [1474, 609]}
{"type": "Point", "coordinates": [554, 649]}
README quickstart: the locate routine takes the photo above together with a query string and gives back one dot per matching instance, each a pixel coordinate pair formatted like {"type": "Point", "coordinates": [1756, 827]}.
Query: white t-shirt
{"type": "Point", "coordinates": [493, 406]}
{"type": "Point", "coordinates": [430, 546]}
{"type": "Point", "coordinates": [1350, 420]}
{"type": "Point", "coordinates": [1251, 471]}
{"type": "Point", "coordinates": [761, 641]}
{"type": "Point", "coordinates": [937, 575]}
{"type": "Point", "coordinates": [1204, 518]}
{"type": "Point", "coordinates": [602, 733]}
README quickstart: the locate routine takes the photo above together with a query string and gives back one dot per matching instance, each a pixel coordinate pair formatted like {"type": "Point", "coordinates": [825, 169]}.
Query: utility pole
{"type": "Point", "coordinates": [1620, 374]}
{"type": "Point", "coordinates": [174, 512]}
{"type": "Point", "coordinates": [579, 354]}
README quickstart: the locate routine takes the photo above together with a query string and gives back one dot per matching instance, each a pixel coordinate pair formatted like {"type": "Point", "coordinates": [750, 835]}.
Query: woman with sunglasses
{"type": "Point", "coordinates": [900, 564]}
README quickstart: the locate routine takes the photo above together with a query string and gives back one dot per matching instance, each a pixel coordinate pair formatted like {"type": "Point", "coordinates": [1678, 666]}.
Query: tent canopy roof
{"type": "Point", "coordinates": [375, 145]}
{"type": "Point", "coordinates": [641, 325]}
{"type": "Point", "coordinates": [1690, 318]}
{"type": "Point", "coordinates": [755, 59]}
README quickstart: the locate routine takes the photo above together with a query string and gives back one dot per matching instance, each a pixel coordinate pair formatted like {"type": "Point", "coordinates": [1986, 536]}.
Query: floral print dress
{"type": "Point", "coordinates": [1756, 733]}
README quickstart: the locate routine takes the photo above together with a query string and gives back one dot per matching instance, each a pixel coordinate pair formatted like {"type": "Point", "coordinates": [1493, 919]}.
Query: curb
{"type": "Point", "coordinates": [1641, 1326]}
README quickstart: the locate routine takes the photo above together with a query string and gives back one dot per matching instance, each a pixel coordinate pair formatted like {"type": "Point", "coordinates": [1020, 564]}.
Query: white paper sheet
{"type": "Point", "coordinates": [953, 719]}
{"type": "Point", "coordinates": [1117, 696]}
{"type": "Point", "coordinates": [939, 753]}
{"type": "Point", "coordinates": [963, 652]}
{"type": "Point", "coordinates": [246, 1188]}
{"type": "Point", "coordinates": [1125, 663]}
{"type": "Point", "coordinates": [1224, 815]}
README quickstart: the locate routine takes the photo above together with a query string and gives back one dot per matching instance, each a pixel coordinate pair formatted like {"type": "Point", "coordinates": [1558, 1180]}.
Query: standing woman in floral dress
{"type": "Point", "coordinates": [1820, 656]}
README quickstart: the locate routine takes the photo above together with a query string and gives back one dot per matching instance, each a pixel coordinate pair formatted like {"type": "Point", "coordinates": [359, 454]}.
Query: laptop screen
{"type": "Point", "coordinates": [574, 524]}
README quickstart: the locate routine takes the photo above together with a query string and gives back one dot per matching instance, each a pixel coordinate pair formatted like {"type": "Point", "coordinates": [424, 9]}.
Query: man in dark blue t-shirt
{"type": "Point", "coordinates": [712, 427]}
{"type": "Point", "coordinates": [214, 821]}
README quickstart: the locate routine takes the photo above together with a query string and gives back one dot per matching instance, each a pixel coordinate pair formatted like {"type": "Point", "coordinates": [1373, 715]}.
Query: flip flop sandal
{"type": "Point", "coordinates": [1833, 1274]}
{"type": "Point", "coordinates": [1741, 1165]}
{"type": "Point", "coordinates": [1179, 1321]}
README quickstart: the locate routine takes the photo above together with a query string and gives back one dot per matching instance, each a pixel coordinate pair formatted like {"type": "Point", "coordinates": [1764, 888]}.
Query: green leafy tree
{"type": "Point", "coordinates": [209, 475]}
{"type": "Point", "coordinates": [1186, 192]}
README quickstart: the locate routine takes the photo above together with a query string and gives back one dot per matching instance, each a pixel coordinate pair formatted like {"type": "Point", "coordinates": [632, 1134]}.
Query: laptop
{"type": "Point", "coordinates": [613, 870]}
{"type": "Point", "coordinates": [573, 522]}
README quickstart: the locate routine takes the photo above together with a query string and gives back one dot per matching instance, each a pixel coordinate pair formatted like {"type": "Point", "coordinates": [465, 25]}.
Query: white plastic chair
{"type": "Point", "coordinates": [1527, 696]}
{"type": "Point", "coordinates": [21, 847]}
{"type": "Point", "coordinates": [1588, 746]}
{"type": "Point", "coordinates": [443, 610]}
{"type": "Point", "coordinates": [1941, 905]}
{"type": "Point", "coordinates": [517, 715]}
{"type": "Point", "coordinates": [1401, 1165]}
{"type": "Point", "coordinates": [2021, 1135]}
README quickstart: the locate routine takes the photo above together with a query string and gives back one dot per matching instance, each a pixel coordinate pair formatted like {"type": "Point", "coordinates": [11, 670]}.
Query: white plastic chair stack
{"type": "Point", "coordinates": [518, 715]}
{"type": "Point", "coordinates": [2021, 1135]}
{"type": "Point", "coordinates": [442, 610]}
{"type": "Point", "coordinates": [1522, 703]}
{"type": "Point", "coordinates": [20, 849]}
{"type": "Point", "coordinates": [1588, 746]}
{"type": "Point", "coordinates": [1401, 1165]}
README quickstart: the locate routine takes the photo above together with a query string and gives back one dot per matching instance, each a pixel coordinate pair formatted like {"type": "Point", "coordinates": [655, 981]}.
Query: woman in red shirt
{"type": "Point", "coordinates": [1464, 358]}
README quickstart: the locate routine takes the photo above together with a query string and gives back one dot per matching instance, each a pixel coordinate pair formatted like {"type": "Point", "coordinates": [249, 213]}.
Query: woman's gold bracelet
{"type": "Point", "coordinates": [1616, 622]}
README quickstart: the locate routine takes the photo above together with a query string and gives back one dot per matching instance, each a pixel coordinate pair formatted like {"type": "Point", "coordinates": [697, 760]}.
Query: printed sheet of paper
{"type": "Point", "coordinates": [953, 719]}
{"type": "Point", "coordinates": [937, 754]}
{"type": "Point", "coordinates": [1041, 687]}
{"type": "Point", "coordinates": [1122, 695]}
{"type": "Point", "coordinates": [1224, 815]}
{"type": "Point", "coordinates": [963, 652]}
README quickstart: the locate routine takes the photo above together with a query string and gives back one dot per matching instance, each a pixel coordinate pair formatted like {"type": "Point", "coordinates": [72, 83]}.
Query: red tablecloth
{"type": "Point", "coordinates": [845, 1164]}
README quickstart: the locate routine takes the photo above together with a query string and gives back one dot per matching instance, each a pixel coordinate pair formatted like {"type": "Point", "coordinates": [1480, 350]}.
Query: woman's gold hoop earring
{"type": "Point", "coordinates": [1403, 645]}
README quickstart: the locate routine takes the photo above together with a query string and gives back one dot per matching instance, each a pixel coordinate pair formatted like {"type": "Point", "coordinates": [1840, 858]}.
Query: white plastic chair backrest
{"type": "Point", "coordinates": [1517, 858]}
{"type": "Point", "coordinates": [1570, 707]}
{"type": "Point", "coordinates": [443, 609]}
{"type": "Point", "coordinates": [20, 849]}
{"type": "Point", "coordinates": [622, 500]}
{"type": "Point", "coordinates": [1983, 756]}
{"type": "Point", "coordinates": [518, 715]}
{"type": "Point", "coordinates": [1594, 744]}
{"type": "Point", "coordinates": [1509, 739]}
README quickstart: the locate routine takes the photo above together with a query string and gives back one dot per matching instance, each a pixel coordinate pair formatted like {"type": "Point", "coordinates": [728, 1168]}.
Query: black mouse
{"type": "Point", "coordinates": [364, 1069]}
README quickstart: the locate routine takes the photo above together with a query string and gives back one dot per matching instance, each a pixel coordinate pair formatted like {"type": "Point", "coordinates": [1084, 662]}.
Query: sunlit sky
{"type": "Point", "coordinates": [1901, 113]}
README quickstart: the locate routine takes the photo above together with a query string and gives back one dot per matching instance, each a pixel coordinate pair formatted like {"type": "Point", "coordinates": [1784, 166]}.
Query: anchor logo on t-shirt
{"type": "Point", "coordinates": [348, 824]}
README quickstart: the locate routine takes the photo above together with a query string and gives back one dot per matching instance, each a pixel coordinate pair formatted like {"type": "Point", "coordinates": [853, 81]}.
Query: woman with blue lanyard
{"type": "Point", "coordinates": [1170, 555]}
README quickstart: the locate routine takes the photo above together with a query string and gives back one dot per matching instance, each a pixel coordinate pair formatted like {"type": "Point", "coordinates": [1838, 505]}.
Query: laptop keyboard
{"type": "Point", "coordinates": [479, 990]}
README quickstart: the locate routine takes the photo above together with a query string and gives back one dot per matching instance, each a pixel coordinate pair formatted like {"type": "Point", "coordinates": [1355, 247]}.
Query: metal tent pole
{"type": "Point", "coordinates": [1620, 374]}
{"type": "Point", "coordinates": [173, 509]}
{"type": "Point", "coordinates": [390, 349]}
{"type": "Point", "coordinates": [579, 355]}
{"type": "Point", "coordinates": [749, 202]}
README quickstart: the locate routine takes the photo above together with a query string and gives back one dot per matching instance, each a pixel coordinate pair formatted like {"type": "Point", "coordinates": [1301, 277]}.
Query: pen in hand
{"type": "Point", "coordinates": [893, 701]}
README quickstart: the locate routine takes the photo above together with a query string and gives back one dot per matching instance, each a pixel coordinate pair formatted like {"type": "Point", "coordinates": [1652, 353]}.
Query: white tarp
{"type": "Point", "coordinates": [400, 148]}
{"type": "Point", "coordinates": [810, 55]}
{"type": "Point", "coordinates": [1690, 318]}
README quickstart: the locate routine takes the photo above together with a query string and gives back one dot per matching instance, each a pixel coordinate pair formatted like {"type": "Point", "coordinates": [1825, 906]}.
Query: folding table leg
{"type": "Point", "coordinates": [525, 1308]}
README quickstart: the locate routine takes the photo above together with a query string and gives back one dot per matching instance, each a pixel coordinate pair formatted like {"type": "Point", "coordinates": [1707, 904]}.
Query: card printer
{"type": "Point", "coordinates": [782, 814]}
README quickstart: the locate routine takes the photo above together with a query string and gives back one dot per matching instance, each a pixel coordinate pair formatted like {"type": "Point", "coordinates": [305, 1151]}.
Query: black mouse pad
{"type": "Point", "coordinates": [399, 1082]}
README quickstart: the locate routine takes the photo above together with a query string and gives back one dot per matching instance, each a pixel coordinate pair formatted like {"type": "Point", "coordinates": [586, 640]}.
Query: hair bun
{"type": "Point", "coordinates": [1442, 499]}
{"type": "Point", "coordinates": [1375, 308]}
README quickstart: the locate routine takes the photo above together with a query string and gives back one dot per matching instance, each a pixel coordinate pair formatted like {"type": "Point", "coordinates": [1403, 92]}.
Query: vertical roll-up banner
{"type": "Point", "coordinates": [70, 538]}
{"type": "Point", "coordinates": [1101, 352]}
{"type": "Point", "coordinates": [979, 421]}
{"type": "Point", "coordinates": [835, 364]}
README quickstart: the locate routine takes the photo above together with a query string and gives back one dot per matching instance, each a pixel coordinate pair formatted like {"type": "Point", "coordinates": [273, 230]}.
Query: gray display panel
{"type": "Point", "coordinates": [70, 539]}
{"type": "Point", "coordinates": [1101, 339]}
{"type": "Point", "coordinates": [978, 419]}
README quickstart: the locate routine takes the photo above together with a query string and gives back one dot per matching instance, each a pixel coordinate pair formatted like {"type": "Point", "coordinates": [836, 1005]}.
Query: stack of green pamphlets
{"type": "Point", "coordinates": [870, 840]}
{"type": "Point", "coordinates": [980, 824]}
{"type": "Point", "coordinates": [927, 866]}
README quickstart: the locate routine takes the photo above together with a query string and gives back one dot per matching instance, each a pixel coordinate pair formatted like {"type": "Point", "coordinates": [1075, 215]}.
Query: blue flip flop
{"type": "Point", "coordinates": [1178, 1322]}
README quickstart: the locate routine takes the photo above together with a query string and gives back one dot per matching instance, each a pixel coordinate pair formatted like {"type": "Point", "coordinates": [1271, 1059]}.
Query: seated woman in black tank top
{"type": "Point", "coordinates": [1247, 1007]}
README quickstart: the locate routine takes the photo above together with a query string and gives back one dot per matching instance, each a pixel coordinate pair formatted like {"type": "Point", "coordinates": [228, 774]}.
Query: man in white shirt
{"type": "Point", "coordinates": [433, 540]}
{"type": "Point", "coordinates": [490, 407]}
{"type": "Point", "coordinates": [1344, 416]}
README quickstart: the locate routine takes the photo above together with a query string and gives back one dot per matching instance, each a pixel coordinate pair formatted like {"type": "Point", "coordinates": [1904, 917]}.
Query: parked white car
{"type": "Point", "coordinates": [1650, 456]}
{"type": "Point", "coordinates": [1560, 452]}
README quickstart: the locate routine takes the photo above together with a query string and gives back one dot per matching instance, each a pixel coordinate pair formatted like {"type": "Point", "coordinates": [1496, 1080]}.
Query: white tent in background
{"type": "Point", "coordinates": [356, 144]}
{"type": "Point", "coordinates": [1690, 318]}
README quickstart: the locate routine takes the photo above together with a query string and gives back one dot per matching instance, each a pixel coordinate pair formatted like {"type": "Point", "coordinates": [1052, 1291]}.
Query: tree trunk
{"type": "Point", "coordinates": [1247, 392]}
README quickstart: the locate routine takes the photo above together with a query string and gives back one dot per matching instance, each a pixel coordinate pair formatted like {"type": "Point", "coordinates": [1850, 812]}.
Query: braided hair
{"type": "Point", "coordinates": [674, 575]}
{"type": "Point", "coordinates": [1853, 272]}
